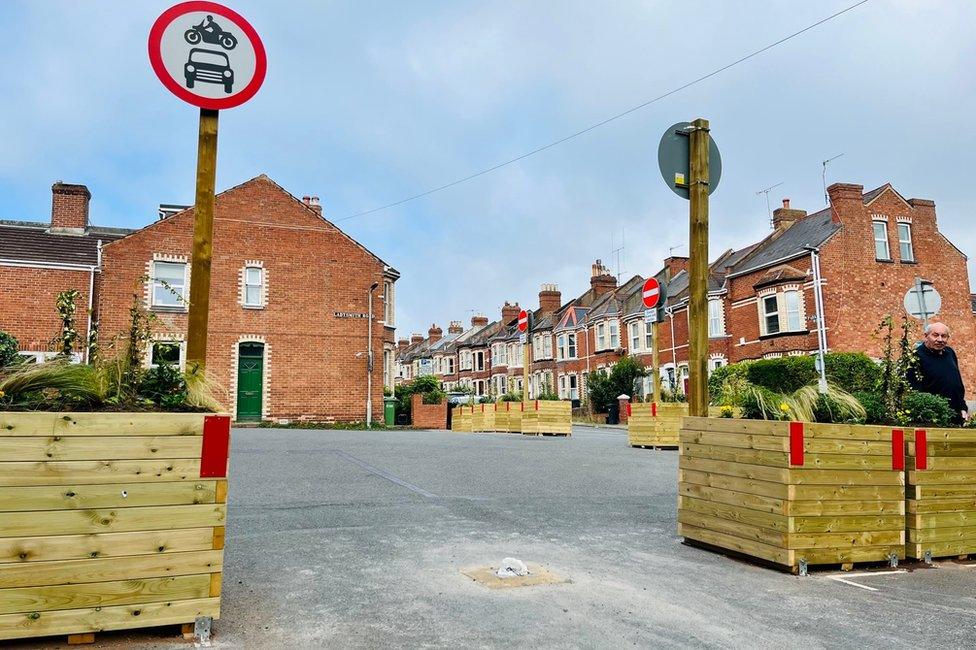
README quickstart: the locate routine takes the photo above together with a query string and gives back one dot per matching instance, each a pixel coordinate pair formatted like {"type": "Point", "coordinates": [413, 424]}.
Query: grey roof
{"type": "Point", "coordinates": [25, 241]}
{"type": "Point", "coordinates": [812, 230]}
{"type": "Point", "coordinates": [571, 318]}
{"type": "Point", "coordinates": [612, 302]}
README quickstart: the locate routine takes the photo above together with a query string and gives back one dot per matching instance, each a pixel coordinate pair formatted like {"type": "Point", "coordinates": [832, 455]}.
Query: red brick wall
{"type": "Point", "coordinates": [312, 271]}
{"type": "Point", "coordinates": [427, 416]}
{"type": "Point", "coordinates": [27, 311]}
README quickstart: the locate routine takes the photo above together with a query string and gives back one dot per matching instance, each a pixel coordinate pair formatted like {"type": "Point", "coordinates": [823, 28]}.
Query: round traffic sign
{"type": "Point", "coordinates": [651, 293]}
{"type": "Point", "coordinates": [207, 55]}
{"type": "Point", "coordinates": [674, 160]}
{"type": "Point", "coordinates": [922, 301]}
{"type": "Point", "coordinates": [523, 321]}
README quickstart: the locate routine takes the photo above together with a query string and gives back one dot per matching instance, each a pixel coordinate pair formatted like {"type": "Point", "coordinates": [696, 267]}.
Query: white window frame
{"type": "Point", "coordinates": [601, 336]}
{"type": "Point", "coordinates": [765, 314]}
{"type": "Point", "coordinates": [648, 336]}
{"type": "Point", "coordinates": [614, 335]}
{"type": "Point", "coordinates": [794, 313]}
{"type": "Point", "coordinates": [571, 345]}
{"type": "Point", "coordinates": [635, 336]}
{"type": "Point", "coordinates": [389, 313]}
{"type": "Point", "coordinates": [560, 347]}
{"type": "Point", "coordinates": [152, 347]}
{"type": "Point", "coordinates": [547, 346]}
{"type": "Point", "coordinates": [259, 304]}
{"type": "Point", "coordinates": [573, 384]}
{"type": "Point", "coordinates": [903, 242]}
{"type": "Point", "coordinates": [878, 239]}
{"type": "Point", "coordinates": [180, 303]}
{"type": "Point", "coordinates": [715, 329]}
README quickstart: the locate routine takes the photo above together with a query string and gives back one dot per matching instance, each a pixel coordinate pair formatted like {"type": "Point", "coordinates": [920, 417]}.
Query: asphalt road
{"type": "Point", "coordinates": [348, 539]}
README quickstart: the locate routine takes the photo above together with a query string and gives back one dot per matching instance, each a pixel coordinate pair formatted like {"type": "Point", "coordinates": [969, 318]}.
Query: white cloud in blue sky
{"type": "Point", "coordinates": [367, 103]}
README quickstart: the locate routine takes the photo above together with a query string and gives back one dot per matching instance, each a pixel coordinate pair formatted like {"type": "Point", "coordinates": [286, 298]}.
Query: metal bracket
{"type": "Point", "coordinates": [803, 566]}
{"type": "Point", "coordinates": [927, 557]}
{"type": "Point", "coordinates": [201, 630]}
{"type": "Point", "coordinates": [892, 560]}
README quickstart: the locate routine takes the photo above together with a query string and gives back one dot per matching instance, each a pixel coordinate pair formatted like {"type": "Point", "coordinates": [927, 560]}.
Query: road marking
{"type": "Point", "coordinates": [383, 474]}
{"type": "Point", "coordinates": [847, 581]}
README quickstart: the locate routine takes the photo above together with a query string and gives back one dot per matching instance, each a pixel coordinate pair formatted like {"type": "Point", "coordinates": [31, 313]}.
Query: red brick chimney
{"type": "Point", "coordinates": [401, 344]}
{"type": "Point", "coordinates": [479, 321]}
{"type": "Point", "coordinates": [69, 208]}
{"type": "Point", "coordinates": [601, 279]}
{"type": "Point", "coordinates": [676, 264]}
{"type": "Point", "coordinates": [785, 217]}
{"type": "Point", "coordinates": [846, 199]}
{"type": "Point", "coordinates": [312, 202]}
{"type": "Point", "coordinates": [416, 338]}
{"type": "Point", "coordinates": [434, 333]}
{"type": "Point", "coordinates": [549, 298]}
{"type": "Point", "coordinates": [455, 327]}
{"type": "Point", "coordinates": [510, 312]}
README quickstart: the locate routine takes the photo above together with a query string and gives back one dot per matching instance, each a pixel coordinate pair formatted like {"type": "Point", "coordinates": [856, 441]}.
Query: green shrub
{"type": "Point", "coordinates": [852, 371]}
{"type": "Point", "coordinates": [784, 374]}
{"type": "Point", "coordinates": [925, 409]}
{"type": "Point", "coordinates": [511, 396]}
{"type": "Point", "coordinates": [874, 407]}
{"type": "Point", "coordinates": [727, 385]}
{"type": "Point", "coordinates": [759, 403]}
{"type": "Point", "coordinates": [164, 385]}
{"type": "Point", "coordinates": [8, 350]}
{"type": "Point", "coordinates": [434, 396]}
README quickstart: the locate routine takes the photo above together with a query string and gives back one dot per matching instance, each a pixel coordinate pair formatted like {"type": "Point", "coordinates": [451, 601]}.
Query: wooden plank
{"type": "Point", "coordinates": [737, 455]}
{"type": "Point", "coordinates": [741, 440]}
{"type": "Point", "coordinates": [920, 492]}
{"type": "Point", "coordinates": [105, 594]}
{"type": "Point", "coordinates": [929, 535]}
{"type": "Point", "coordinates": [941, 549]}
{"type": "Point", "coordinates": [72, 547]}
{"type": "Point", "coordinates": [946, 448]}
{"type": "Point", "coordinates": [848, 432]}
{"type": "Point", "coordinates": [218, 537]}
{"type": "Point", "coordinates": [48, 448]}
{"type": "Point", "coordinates": [734, 513]}
{"type": "Point", "coordinates": [730, 425]}
{"type": "Point", "coordinates": [847, 461]}
{"type": "Point", "coordinates": [19, 626]}
{"type": "Point", "coordinates": [831, 508]}
{"type": "Point", "coordinates": [127, 424]}
{"type": "Point", "coordinates": [945, 435]}
{"type": "Point", "coordinates": [931, 477]}
{"type": "Point", "coordinates": [736, 544]}
{"type": "Point", "coordinates": [70, 572]}
{"type": "Point", "coordinates": [845, 540]}
{"type": "Point", "coordinates": [845, 477]}
{"type": "Point", "coordinates": [739, 499]}
{"type": "Point", "coordinates": [119, 495]}
{"type": "Point", "coordinates": [736, 529]}
{"type": "Point", "coordinates": [848, 524]}
{"type": "Point", "coordinates": [757, 472]}
{"type": "Point", "coordinates": [27, 424]}
{"type": "Point", "coordinates": [943, 520]}
{"type": "Point", "coordinates": [847, 492]}
{"type": "Point", "coordinates": [942, 505]}
{"type": "Point", "coordinates": [815, 556]}
{"type": "Point", "coordinates": [815, 446]}
{"type": "Point", "coordinates": [215, 582]}
{"type": "Point", "coordinates": [735, 484]}
{"type": "Point", "coordinates": [93, 471]}
{"type": "Point", "coordinates": [81, 639]}
{"type": "Point", "coordinates": [948, 463]}
{"type": "Point", "coordinates": [116, 520]}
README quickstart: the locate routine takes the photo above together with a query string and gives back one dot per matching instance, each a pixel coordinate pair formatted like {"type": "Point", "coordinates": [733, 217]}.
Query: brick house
{"type": "Point", "coordinates": [288, 304]}
{"type": "Point", "coordinates": [39, 260]}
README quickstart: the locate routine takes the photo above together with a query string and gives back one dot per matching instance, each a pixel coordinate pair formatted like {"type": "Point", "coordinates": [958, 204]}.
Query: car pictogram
{"type": "Point", "coordinates": [208, 66]}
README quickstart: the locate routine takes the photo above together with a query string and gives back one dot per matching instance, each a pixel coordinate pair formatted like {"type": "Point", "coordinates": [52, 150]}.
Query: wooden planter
{"type": "Point", "coordinates": [511, 421]}
{"type": "Point", "coordinates": [110, 521]}
{"type": "Point", "coordinates": [793, 494]}
{"type": "Point", "coordinates": [941, 493]}
{"type": "Point", "coordinates": [547, 417]}
{"type": "Point", "coordinates": [461, 419]}
{"type": "Point", "coordinates": [484, 419]}
{"type": "Point", "coordinates": [657, 425]}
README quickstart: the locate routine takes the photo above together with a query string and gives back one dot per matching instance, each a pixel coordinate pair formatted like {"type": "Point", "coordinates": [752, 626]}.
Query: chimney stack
{"type": "Point", "coordinates": [434, 333]}
{"type": "Point", "coordinates": [549, 298]}
{"type": "Point", "coordinates": [416, 338]}
{"type": "Point", "coordinates": [312, 203]}
{"type": "Point", "coordinates": [455, 327]}
{"type": "Point", "coordinates": [601, 279]}
{"type": "Point", "coordinates": [479, 321]}
{"type": "Point", "coordinates": [675, 265]}
{"type": "Point", "coordinates": [69, 209]}
{"type": "Point", "coordinates": [785, 217]}
{"type": "Point", "coordinates": [402, 344]}
{"type": "Point", "coordinates": [510, 312]}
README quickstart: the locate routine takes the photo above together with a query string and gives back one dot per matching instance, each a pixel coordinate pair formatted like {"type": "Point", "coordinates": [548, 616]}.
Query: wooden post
{"type": "Point", "coordinates": [656, 363]}
{"type": "Point", "coordinates": [196, 337]}
{"type": "Point", "coordinates": [698, 271]}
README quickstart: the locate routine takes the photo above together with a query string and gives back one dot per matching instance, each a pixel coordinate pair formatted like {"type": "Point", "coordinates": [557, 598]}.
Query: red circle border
{"type": "Point", "coordinates": [156, 59]}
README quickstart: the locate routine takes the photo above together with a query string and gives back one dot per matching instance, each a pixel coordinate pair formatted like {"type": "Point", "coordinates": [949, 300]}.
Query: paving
{"type": "Point", "coordinates": [351, 539]}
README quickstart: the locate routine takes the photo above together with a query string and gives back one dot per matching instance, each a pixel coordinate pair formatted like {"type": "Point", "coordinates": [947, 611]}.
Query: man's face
{"type": "Point", "coordinates": [937, 338]}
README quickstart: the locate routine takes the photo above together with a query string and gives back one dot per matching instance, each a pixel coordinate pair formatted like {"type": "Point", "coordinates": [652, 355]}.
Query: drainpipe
{"type": "Point", "coordinates": [819, 309]}
{"type": "Point", "coordinates": [91, 298]}
{"type": "Point", "coordinates": [369, 355]}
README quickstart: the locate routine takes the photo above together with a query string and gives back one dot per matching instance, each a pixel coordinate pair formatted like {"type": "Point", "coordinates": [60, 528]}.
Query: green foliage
{"type": "Point", "coordinates": [852, 371]}
{"type": "Point", "coordinates": [428, 386]}
{"type": "Point", "coordinates": [8, 350]}
{"type": "Point", "coordinates": [55, 385]}
{"type": "Point", "coordinates": [547, 393]}
{"type": "Point", "coordinates": [601, 391]}
{"type": "Point", "coordinates": [511, 396]}
{"type": "Point", "coordinates": [485, 399]}
{"type": "Point", "coordinates": [64, 342]}
{"type": "Point", "coordinates": [728, 384]}
{"type": "Point", "coordinates": [874, 407]}
{"type": "Point", "coordinates": [164, 385]}
{"type": "Point", "coordinates": [805, 404]}
{"type": "Point", "coordinates": [925, 409]}
{"type": "Point", "coordinates": [893, 384]}
{"type": "Point", "coordinates": [785, 374]}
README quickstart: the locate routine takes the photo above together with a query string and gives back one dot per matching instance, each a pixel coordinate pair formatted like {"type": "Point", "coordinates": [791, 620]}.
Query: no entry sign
{"type": "Point", "coordinates": [207, 55]}
{"type": "Point", "coordinates": [651, 293]}
{"type": "Point", "coordinates": [523, 321]}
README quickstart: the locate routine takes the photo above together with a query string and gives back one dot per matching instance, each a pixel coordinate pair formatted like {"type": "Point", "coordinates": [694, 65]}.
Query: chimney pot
{"type": "Point", "coordinates": [786, 204]}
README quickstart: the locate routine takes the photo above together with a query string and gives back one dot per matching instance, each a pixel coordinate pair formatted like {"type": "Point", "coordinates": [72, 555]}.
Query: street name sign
{"type": "Point", "coordinates": [207, 55]}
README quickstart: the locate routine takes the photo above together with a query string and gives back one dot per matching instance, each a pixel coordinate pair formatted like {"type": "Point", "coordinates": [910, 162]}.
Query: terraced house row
{"type": "Point", "coordinates": [871, 246]}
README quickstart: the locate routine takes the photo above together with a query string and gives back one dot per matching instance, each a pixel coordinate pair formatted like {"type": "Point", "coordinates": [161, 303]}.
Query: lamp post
{"type": "Point", "coordinates": [369, 354]}
{"type": "Point", "coordinates": [819, 309]}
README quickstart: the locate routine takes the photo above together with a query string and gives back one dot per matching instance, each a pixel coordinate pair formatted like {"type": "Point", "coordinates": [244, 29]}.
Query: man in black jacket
{"type": "Point", "coordinates": [938, 370]}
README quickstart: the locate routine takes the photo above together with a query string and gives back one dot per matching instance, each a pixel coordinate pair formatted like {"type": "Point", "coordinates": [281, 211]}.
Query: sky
{"type": "Point", "coordinates": [367, 103]}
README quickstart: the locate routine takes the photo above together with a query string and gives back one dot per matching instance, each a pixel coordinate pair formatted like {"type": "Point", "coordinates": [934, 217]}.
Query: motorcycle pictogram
{"type": "Point", "coordinates": [208, 31]}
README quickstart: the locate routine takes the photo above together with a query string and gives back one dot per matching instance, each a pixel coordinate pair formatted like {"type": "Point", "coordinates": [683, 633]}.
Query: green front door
{"type": "Point", "coordinates": [250, 381]}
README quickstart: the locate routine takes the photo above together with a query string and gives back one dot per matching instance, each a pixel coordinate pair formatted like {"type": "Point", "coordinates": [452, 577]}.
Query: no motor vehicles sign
{"type": "Point", "coordinates": [207, 55]}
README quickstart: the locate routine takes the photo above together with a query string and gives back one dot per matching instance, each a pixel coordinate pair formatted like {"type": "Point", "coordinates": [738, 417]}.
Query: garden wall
{"type": "Point", "coordinates": [427, 416]}
{"type": "Point", "coordinates": [791, 493]}
{"type": "Point", "coordinates": [110, 520]}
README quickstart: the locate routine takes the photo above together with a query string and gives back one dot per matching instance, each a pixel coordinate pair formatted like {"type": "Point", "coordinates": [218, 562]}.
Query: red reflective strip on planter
{"type": "Point", "coordinates": [654, 409]}
{"type": "Point", "coordinates": [508, 406]}
{"type": "Point", "coordinates": [921, 449]}
{"type": "Point", "coordinates": [537, 405]}
{"type": "Point", "coordinates": [796, 443]}
{"type": "Point", "coordinates": [522, 406]}
{"type": "Point", "coordinates": [897, 449]}
{"type": "Point", "coordinates": [482, 408]}
{"type": "Point", "coordinates": [216, 446]}
{"type": "Point", "coordinates": [629, 410]}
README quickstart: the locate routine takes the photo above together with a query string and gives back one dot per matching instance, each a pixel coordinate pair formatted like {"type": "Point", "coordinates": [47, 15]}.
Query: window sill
{"type": "Point", "coordinates": [888, 261]}
{"type": "Point", "coordinates": [766, 337]}
{"type": "Point", "coordinates": [168, 309]}
{"type": "Point", "coordinates": [908, 262]}
{"type": "Point", "coordinates": [253, 307]}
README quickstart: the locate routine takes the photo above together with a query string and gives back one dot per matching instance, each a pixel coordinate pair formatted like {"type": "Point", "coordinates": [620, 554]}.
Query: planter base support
{"type": "Point", "coordinates": [201, 630]}
{"type": "Point", "coordinates": [803, 566]}
{"type": "Point", "coordinates": [927, 558]}
{"type": "Point", "coordinates": [893, 561]}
